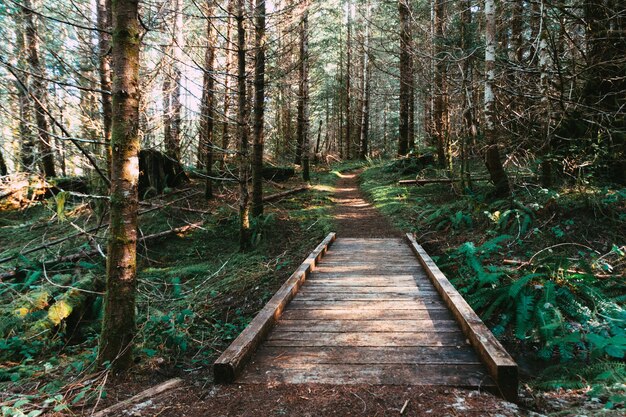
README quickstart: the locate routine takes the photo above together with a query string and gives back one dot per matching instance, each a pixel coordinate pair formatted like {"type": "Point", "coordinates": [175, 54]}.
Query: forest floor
{"type": "Point", "coordinates": [197, 292]}
{"type": "Point", "coordinates": [352, 216]}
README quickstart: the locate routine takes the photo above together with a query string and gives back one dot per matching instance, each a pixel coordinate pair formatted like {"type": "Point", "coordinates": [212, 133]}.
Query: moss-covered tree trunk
{"type": "Point", "coordinates": [259, 107]}
{"type": "Point", "coordinates": [118, 326]}
{"type": "Point", "coordinates": [242, 129]}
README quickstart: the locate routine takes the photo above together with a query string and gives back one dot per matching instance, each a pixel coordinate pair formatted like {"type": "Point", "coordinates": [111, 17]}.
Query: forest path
{"type": "Point", "coordinates": [353, 216]}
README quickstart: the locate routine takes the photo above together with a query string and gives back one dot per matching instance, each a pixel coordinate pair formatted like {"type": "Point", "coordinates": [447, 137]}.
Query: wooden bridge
{"type": "Point", "coordinates": [369, 311]}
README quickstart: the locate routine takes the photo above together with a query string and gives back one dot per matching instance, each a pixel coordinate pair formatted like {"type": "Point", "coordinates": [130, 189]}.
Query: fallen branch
{"type": "Point", "coordinates": [87, 254]}
{"type": "Point", "coordinates": [521, 264]}
{"type": "Point", "coordinates": [277, 196]}
{"type": "Point", "coordinates": [88, 231]}
{"type": "Point", "coordinates": [143, 395]}
{"type": "Point", "coordinates": [425, 181]}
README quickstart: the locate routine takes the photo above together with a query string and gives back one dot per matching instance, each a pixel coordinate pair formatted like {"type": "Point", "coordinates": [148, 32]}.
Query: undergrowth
{"type": "Point", "coordinates": [544, 269]}
{"type": "Point", "coordinates": [196, 292]}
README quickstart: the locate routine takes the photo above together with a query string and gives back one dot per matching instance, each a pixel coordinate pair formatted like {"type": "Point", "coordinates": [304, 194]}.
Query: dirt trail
{"type": "Point", "coordinates": [353, 215]}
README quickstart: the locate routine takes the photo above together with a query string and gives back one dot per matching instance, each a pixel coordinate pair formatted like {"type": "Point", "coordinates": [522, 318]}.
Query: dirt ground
{"type": "Point", "coordinates": [354, 216]}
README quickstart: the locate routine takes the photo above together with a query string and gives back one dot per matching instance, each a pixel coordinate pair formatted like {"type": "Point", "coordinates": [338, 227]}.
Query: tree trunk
{"type": "Point", "coordinates": [118, 326]}
{"type": "Point", "coordinates": [39, 91]}
{"type": "Point", "coordinates": [242, 129]}
{"type": "Point", "coordinates": [303, 103]}
{"type": "Point", "coordinates": [207, 111]}
{"type": "Point", "coordinates": [440, 115]}
{"type": "Point", "coordinates": [365, 104]}
{"type": "Point", "coordinates": [405, 76]}
{"type": "Point", "coordinates": [492, 157]}
{"type": "Point", "coordinates": [348, 138]}
{"type": "Point", "coordinates": [227, 88]}
{"type": "Point", "coordinates": [104, 60]}
{"type": "Point", "coordinates": [259, 107]}
{"type": "Point", "coordinates": [171, 85]}
{"type": "Point", "coordinates": [3, 165]}
{"type": "Point", "coordinates": [27, 144]}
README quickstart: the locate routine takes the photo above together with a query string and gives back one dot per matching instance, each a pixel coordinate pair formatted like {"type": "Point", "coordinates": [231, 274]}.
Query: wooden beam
{"type": "Point", "coordinates": [501, 367]}
{"type": "Point", "coordinates": [229, 365]}
{"type": "Point", "coordinates": [143, 395]}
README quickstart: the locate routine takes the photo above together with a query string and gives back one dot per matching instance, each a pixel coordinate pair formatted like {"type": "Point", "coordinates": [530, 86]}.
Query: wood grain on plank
{"type": "Point", "coordinates": [369, 305]}
{"type": "Point", "coordinates": [500, 365]}
{"type": "Point", "coordinates": [371, 314]}
{"type": "Point", "coordinates": [367, 355]}
{"type": "Point", "coordinates": [344, 325]}
{"type": "Point", "coordinates": [231, 362]}
{"type": "Point", "coordinates": [285, 338]}
{"type": "Point", "coordinates": [453, 375]}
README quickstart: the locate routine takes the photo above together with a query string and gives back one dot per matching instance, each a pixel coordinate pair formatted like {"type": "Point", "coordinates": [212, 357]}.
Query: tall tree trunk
{"type": "Point", "coordinates": [406, 78]}
{"type": "Point", "coordinates": [227, 88]}
{"type": "Point", "coordinates": [365, 104]}
{"type": "Point", "coordinates": [39, 91]}
{"type": "Point", "coordinates": [118, 326]}
{"type": "Point", "coordinates": [440, 115]}
{"type": "Point", "coordinates": [348, 138]}
{"type": "Point", "coordinates": [259, 107]}
{"type": "Point", "coordinates": [207, 111]}
{"type": "Point", "coordinates": [303, 101]}
{"type": "Point", "coordinates": [27, 144]}
{"type": "Point", "coordinates": [546, 108]}
{"type": "Point", "coordinates": [171, 85]}
{"type": "Point", "coordinates": [242, 129]}
{"type": "Point", "coordinates": [470, 130]}
{"type": "Point", "coordinates": [492, 156]}
{"type": "Point", "coordinates": [104, 61]}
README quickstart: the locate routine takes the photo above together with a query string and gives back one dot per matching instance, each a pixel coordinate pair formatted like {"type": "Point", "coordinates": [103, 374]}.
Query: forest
{"type": "Point", "coordinates": [165, 166]}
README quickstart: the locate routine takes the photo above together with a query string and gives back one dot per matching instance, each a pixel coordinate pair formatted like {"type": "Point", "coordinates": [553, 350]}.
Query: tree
{"type": "Point", "coordinates": [406, 78]}
{"type": "Point", "coordinates": [348, 98]}
{"type": "Point", "coordinates": [118, 325]}
{"type": "Point", "coordinates": [492, 155]}
{"type": "Point", "coordinates": [27, 144]}
{"type": "Point", "coordinates": [104, 60]}
{"type": "Point", "coordinates": [207, 116]}
{"type": "Point", "coordinates": [171, 84]}
{"type": "Point", "coordinates": [259, 108]}
{"type": "Point", "coordinates": [242, 129]}
{"type": "Point", "coordinates": [38, 91]}
{"type": "Point", "coordinates": [365, 104]}
{"type": "Point", "coordinates": [303, 100]}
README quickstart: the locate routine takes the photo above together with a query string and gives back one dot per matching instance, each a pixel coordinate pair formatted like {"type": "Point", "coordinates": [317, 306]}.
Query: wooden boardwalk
{"type": "Point", "coordinates": [368, 312]}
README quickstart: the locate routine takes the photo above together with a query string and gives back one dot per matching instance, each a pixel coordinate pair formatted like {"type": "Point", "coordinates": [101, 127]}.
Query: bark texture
{"type": "Point", "coordinates": [39, 91]}
{"type": "Point", "coordinates": [406, 78]}
{"type": "Point", "coordinates": [242, 129]}
{"type": "Point", "coordinates": [207, 116]}
{"type": "Point", "coordinates": [492, 155]}
{"type": "Point", "coordinates": [118, 327]}
{"type": "Point", "coordinates": [259, 108]}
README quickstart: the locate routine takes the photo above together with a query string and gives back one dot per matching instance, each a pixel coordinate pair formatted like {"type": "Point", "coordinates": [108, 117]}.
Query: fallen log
{"type": "Point", "coordinates": [425, 181]}
{"type": "Point", "coordinates": [143, 395]}
{"type": "Point", "coordinates": [280, 195]}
